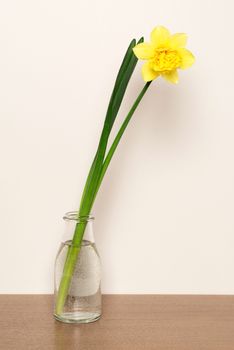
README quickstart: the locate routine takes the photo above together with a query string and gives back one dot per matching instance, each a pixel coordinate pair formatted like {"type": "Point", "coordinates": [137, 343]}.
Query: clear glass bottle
{"type": "Point", "coordinates": [83, 301]}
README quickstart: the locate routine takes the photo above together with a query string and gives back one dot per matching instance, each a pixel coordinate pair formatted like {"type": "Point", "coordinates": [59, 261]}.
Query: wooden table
{"type": "Point", "coordinates": [131, 322]}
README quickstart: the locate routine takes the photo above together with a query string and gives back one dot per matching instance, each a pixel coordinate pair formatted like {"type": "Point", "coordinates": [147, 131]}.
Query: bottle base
{"type": "Point", "coordinates": [78, 317]}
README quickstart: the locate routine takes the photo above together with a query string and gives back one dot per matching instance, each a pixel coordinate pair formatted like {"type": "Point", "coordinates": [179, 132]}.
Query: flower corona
{"type": "Point", "coordinates": [164, 55]}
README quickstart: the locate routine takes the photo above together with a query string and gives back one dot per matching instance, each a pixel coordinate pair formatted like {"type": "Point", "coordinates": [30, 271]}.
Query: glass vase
{"type": "Point", "coordinates": [83, 300]}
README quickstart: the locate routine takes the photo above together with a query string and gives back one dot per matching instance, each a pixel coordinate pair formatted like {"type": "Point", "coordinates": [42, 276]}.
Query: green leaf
{"type": "Point", "coordinates": [121, 83]}
{"type": "Point", "coordinates": [123, 78]}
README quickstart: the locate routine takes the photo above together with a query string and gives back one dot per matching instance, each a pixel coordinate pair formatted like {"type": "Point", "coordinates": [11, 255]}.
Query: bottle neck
{"type": "Point", "coordinates": [71, 220]}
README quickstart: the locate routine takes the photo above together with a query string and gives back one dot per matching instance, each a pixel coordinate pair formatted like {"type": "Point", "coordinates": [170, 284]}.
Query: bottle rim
{"type": "Point", "coordinates": [74, 216]}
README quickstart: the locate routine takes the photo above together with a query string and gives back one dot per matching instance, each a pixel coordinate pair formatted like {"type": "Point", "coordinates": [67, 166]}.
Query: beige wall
{"type": "Point", "coordinates": [164, 216]}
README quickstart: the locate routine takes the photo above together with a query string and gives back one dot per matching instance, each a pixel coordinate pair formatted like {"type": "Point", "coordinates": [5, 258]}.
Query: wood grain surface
{"type": "Point", "coordinates": [131, 322]}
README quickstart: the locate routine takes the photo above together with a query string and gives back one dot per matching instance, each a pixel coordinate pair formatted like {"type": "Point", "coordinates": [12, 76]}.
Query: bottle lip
{"type": "Point", "coordinates": [70, 244]}
{"type": "Point", "coordinates": [74, 216]}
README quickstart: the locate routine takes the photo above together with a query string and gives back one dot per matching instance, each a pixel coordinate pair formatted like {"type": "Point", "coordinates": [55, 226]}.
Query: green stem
{"type": "Point", "coordinates": [74, 249]}
{"type": "Point", "coordinates": [71, 259]}
{"type": "Point", "coordinates": [119, 135]}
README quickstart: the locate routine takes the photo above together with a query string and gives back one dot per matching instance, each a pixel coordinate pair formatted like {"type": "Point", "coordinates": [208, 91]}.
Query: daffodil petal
{"type": "Point", "coordinates": [160, 36]}
{"type": "Point", "coordinates": [187, 58]}
{"type": "Point", "coordinates": [144, 51]}
{"type": "Point", "coordinates": [178, 40]}
{"type": "Point", "coordinates": [171, 76]}
{"type": "Point", "coordinates": [148, 73]}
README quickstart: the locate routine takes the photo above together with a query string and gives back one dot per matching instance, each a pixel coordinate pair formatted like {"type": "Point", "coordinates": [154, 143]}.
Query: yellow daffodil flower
{"type": "Point", "coordinates": [164, 55]}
